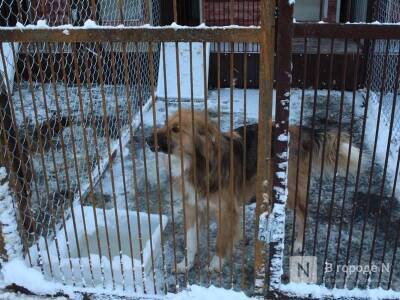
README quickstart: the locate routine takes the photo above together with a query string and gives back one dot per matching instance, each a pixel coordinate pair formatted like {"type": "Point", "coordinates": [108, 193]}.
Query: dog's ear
{"type": "Point", "coordinates": [205, 140]}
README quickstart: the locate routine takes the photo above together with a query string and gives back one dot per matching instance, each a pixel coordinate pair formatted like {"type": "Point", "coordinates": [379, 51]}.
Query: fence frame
{"type": "Point", "coordinates": [278, 290]}
{"type": "Point", "coordinates": [264, 35]}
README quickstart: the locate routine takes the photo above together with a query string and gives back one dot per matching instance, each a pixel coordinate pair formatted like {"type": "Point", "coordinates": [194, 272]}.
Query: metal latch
{"type": "Point", "coordinates": [267, 223]}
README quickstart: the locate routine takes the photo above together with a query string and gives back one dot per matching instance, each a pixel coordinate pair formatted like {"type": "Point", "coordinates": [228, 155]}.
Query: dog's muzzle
{"type": "Point", "coordinates": [161, 146]}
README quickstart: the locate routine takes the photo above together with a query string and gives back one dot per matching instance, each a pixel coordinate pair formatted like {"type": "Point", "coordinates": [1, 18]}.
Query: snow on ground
{"type": "Point", "coordinates": [147, 197]}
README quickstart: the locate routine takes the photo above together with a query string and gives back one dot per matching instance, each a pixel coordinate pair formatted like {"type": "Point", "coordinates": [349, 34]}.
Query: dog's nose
{"type": "Point", "coordinates": [150, 142]}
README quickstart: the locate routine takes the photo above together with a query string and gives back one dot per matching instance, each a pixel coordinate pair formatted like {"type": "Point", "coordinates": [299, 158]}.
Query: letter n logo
{"type": "Point", "coordinates": [303, 269]}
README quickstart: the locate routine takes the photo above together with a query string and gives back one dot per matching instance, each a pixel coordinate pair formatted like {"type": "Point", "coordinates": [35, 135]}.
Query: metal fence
{"type": "Point", "coordinates": [120, 185]}
{"type": "Point", "coordinates": [97, 202]}
{"type": "Point", "coordinates": [343, 216]}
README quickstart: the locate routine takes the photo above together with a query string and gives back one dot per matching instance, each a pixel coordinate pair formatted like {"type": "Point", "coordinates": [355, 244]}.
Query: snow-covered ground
{"type": "Point", "coordinates": [147, 197]}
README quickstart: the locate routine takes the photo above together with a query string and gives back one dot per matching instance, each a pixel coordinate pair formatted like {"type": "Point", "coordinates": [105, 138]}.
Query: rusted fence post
{"type": "Point", "coordinates": [281, 140]}
{"type": "Point", "coordinates": [264, 133]}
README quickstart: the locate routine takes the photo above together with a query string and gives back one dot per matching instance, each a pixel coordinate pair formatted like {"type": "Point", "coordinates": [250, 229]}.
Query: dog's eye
{"type": "Point", "coordinates": [175, 129]}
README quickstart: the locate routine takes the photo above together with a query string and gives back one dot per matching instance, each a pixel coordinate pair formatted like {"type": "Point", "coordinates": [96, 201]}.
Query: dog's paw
{"type": "Point", "coordinates": [215, 264]}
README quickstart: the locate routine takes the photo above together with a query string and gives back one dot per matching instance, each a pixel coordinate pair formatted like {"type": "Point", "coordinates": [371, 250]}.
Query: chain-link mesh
{"type": "Point", "coordinates": [62, 113]}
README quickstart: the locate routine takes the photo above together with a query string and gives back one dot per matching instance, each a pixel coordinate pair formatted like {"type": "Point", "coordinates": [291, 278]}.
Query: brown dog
{"type": "Point", "coordinates": [200, 164]}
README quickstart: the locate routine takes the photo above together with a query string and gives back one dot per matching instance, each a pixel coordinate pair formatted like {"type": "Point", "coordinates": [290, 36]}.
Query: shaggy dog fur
{"type": "Point", "coordinates": [202, 154]}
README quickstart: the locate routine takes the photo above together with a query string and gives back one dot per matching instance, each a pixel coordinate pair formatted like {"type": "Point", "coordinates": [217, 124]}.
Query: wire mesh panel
{"type": "Point", "coordinates": [118, 190]}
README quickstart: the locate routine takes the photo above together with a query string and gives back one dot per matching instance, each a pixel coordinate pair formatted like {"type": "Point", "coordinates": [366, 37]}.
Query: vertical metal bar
{"type": "Point", "coordinates": [110, 156]}
{"type": "Point", "coordinates": [169, 164]}
{"type": "Point", "coordinates": [310, 157]}
{"type": "Point", "coordinates": [219, 146]}
{"type": "Point", "coordinates": [244, 177]}
{"type": "Point", "coordinates": [121, 11]}
{"type": "Point", "coordinates": [348, 160]}
{"type": "Point", "coordinates": [194, 156]}
{"type": "Point", "coordinates": [121, 151]}
{"type": "Point", "coordinates": [65, 80]}
{"type": "Point", "coordinates": [58, 116]}
{"type": "Point", "coordinates": [392, 201]}
{"type": "Point", "coordinates": [265, 130]}
{"type": "Point", "coordinates": [367, 98]}
{"type": "Point", "coordinates": [371, 173]}
{"type": "Point", "coordinates": [389, 140]}
{"type": "Point", "coordinates": [178, 82]}
{"type": "Point", "coordinates": [77, 78]}
{"type": "Point", "coordinates": [298, 148]}
{"type": "Point", "coordinates": [231, 12]}
{"type": "Point", "coordinates": [41, 146]}
{"type": "Point", "coordinates": [46, 109]}
{"type": "Point", "coordinates": [321, 8]}
{"type": "Point", "coordinates": [205, 90]}
{"type": "Point", "coordinates": [231, 153]}
{"type": "Point", "coordinates": [336, 157]}
{"type": "Point", "coordinates": [321, 176]}
{"type": "Point", "coordinates": [92, 113]}
{"type": "Point", "coordinates": [24, 226]}
{"type": "Point", "coordinates": [143, 142]}
{"type": "Point", "coordinates": [138, 76]}
{"type": "Point", "coordinates": [175, 10]}
{"type": "Point", "coordinates": [133, 158]}
{"type": "Point", "coordinates": [160, 208]}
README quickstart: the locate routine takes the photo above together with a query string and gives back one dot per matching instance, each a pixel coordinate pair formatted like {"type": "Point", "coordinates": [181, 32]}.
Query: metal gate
{"type": "Point", "coordinates": [80, 122]}
{"type": "Point", "coordinates": [339, 235]}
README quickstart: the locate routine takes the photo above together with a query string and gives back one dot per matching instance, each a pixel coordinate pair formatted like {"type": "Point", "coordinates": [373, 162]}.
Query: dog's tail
{"type": "Point", "coordinates": [332, 149]}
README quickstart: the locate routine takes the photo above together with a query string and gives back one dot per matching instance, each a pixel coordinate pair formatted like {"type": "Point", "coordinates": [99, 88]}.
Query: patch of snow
{"type": "Point", "coordinates": [17, 271]}
{"type": "Point", "coordinates": [8, 70]}
{"type": "Point", "coordinates": [90, 24]}
{"type": "Point", "coordinates": [184, 70]}
{"type": "Point", "coordinates": [66, 31]}
{"type": "Point", "coordinates": [319, 292]}
{"type": "Point", "coordinates": [42, 24]}
{"type": "Point", "coordinates": [195, 292]}
{"type": "Point", "coordinates": [9, 229]}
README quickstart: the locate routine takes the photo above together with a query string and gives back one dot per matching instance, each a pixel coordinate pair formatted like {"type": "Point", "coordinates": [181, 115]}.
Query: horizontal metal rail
{"type": "Point", "coordinates": [351, 31]}
{"type": "Point", "coordinates": [131, 34]}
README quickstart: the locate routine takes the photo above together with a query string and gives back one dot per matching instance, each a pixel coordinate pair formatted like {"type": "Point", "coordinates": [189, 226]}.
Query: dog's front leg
{"type": "Point", "coordinates": [191, 239]}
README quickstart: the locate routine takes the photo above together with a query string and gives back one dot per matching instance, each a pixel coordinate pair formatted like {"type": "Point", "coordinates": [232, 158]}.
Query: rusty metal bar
{"type": "Point", "coordinates": [51, 209]}
{"type": "Point", "coordinates": [344, 72]}
{"type": "Point", "coordinates": [160, 207]}
{"type": "Point", "coordinates": [72, 201]}
{"type": "Point", "coordinates": [244, 177]}
{"type": "Point", "coordinates": [219, 169]}
{"type": "Point", "coordinates": [147, 192]}
{"type": "Point", "coordinates": [321, 176]}
{"type": "Point", "coordinates": [169, 163]}
{"type": "Point", "coordinates": [385, 167]}
{"type": "Point", "coordinates": [350, 31]}
{"type": "Point", "coordinates": [265, 130]}
{"type": "Point", "coordinates": [100, 181]}
{"type": "Point", "coordinates": [374, 153]}
{"type": "Point", "coordinates": [348, 162]}
{"type": "Point", "coordinates": [194, 156]}
{"type": "Point", "coordinates": [367, 99]}
{"type": "Point", "coordinates": [298, 148]}
{"type": "Point", "coordinates": [140, 96]}
{"type": "Point", "coordinates": [110, 153]}
{"type": "Point", "coordinates": [6, 116]}
{"type": "Point", "coordinates": [182, 169]}
{"type": "Point", "coordinates": [132, 34]}
{"type": "Point", "coordinates": [231, 153]}
{"type": "Point", "coordinates": [121, 152]}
